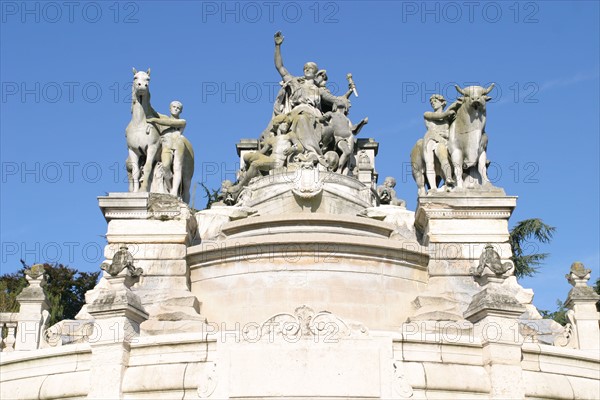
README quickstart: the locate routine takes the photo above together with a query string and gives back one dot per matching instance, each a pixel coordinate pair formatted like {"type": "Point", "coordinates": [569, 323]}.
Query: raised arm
{"type": "Point", "coordinates": [278, 61]}
{"type": "Point", "coordinates": [351, 87]}
{"type": "Point", "coordinates": [356, 128]}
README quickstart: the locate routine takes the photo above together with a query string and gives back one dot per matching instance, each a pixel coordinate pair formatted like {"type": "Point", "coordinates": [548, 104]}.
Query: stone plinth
{"type": "Point", "coordinates": [117, 313]}
{"type": "Point", "coordinates": [465, 217]}
{"type": "Point", "coordinates": [34, 310]}
{"type": "Point", "coordinates": [494, 312]}
{"type": "Point", "coordinates": [456, 227]}
{"type": "Point", "coordinates": [582, 300]}
{"type": "Point", "coordinates": [157, 228]}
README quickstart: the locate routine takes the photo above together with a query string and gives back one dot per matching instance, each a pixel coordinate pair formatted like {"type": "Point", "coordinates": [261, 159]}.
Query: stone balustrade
{"type": "Point", "coordinates": [8, 329]}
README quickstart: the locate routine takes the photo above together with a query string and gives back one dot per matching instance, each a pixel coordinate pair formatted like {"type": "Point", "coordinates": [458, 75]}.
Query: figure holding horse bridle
{"type": "Point", "coordinates": [177, 155]}
{"type": "Point", "coordinates": [155, 140]}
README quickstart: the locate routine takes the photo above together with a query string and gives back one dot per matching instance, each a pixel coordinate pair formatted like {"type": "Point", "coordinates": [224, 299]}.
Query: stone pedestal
{"type": "Point", "coordinates": [494, 312]}
{"type": "Point", "coordinates": [33, 313]}
{"type": "Point", "coordinates": [157, 228]}
{"type": "Point", "coordinates": [582, 301]}
{"type": "Point", "coordinates": [456, 227]}
{"type": "Point", "coordinates": [465, 217]}
{"type": "Point", "coordinates": [118, 313]}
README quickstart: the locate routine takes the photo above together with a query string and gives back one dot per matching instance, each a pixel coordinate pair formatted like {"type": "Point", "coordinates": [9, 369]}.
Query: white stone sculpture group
{"type": "Point", "coordinates": [310, 128]}
{"type": "Point", "coordinates": [160, 158]}
{"type": "Point", "coordinates": [455, 144]}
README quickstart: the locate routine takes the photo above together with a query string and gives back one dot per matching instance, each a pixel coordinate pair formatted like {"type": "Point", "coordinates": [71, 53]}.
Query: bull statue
{"type": "Point", "coordinates": [467, 141]}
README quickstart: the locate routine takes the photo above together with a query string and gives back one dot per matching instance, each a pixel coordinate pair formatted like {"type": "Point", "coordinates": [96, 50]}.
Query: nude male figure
{"type": "Point", "coordinates": [436, 139]}
{"type": "Point", "coordinates": [274, 153]}
{"type": "Point", "coordinates": [172, 146]}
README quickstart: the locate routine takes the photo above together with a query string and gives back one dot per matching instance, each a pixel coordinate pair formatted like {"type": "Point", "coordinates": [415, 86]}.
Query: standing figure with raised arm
{"type": "Point", "coordinates": [302, 101]}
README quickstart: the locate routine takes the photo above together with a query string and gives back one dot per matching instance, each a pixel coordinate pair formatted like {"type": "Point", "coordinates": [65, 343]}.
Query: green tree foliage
{"type": "Point", "coordinates": [527, 264]}
{"type": "Point", "coordinates": [560, 315]}
{"type": "Point", "coordinates": [65, 289]}
{"type": "Point", "coordinates": [10, 286]}
{"type": "Point", "coordinates": [597, 286]}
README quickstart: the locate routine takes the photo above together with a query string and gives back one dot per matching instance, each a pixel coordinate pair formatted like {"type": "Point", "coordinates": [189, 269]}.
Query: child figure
{"type": "Point", "coordinates": [387, 193]}
{"type": "Point", "coordinates": [342, 130]}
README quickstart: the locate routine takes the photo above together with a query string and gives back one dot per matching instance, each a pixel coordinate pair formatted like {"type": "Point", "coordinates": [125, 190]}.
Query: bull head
{"type": "Point", "coordinates": [477, 95]}
{"type": "Point", "coordinates": [484, 93]}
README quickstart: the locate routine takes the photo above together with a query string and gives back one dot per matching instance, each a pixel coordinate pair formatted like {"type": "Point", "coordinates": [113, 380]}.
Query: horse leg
{"type": "Point", "coordinates": [457, 161]}
{"type": "Point", "coordinates": [148, 167]}
{"type": "Point", "coordinates": [134, 177]}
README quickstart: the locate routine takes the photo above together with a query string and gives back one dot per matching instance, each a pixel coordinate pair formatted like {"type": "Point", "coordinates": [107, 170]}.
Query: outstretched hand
{"type": "Point", "coordinates": [278, 38]}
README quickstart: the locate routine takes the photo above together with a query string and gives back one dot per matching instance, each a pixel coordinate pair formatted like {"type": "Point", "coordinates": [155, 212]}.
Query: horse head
{"type": "Point", "coordinates": [475, 97]}
{"type": "Point", "coordinates": [141, 82]}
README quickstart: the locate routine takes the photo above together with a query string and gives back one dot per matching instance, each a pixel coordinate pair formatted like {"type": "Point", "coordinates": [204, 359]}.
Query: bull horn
{"type": "Point", "coordinates": [459, 90]}
{"type": "Point", "coordinates": [489, 89]}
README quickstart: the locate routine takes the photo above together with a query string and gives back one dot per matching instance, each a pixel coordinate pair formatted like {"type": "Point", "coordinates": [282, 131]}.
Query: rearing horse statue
{"type": "Point", "coordinates": [143, 139]}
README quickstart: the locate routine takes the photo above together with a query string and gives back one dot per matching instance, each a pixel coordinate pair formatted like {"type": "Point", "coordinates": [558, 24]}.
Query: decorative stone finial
{"type": "Point", "coordinates": [579, 275]}
{"type": "Point", "coordinates": [35, 272]}
{"type": "Point", "coordinates": [121, 260]}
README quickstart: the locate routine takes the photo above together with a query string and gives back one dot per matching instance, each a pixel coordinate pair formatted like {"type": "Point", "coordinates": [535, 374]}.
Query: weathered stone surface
{"type": "Point", "coordinates": [274, 370]}
{"type": "Point", "coordinates": [150, 251]}
{"type": "Point", "coordinates": [211, 220]}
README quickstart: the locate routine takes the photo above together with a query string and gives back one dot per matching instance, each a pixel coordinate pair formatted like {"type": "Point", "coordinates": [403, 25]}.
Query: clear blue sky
{"type": "Point", "coordinates": [64, 102]}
